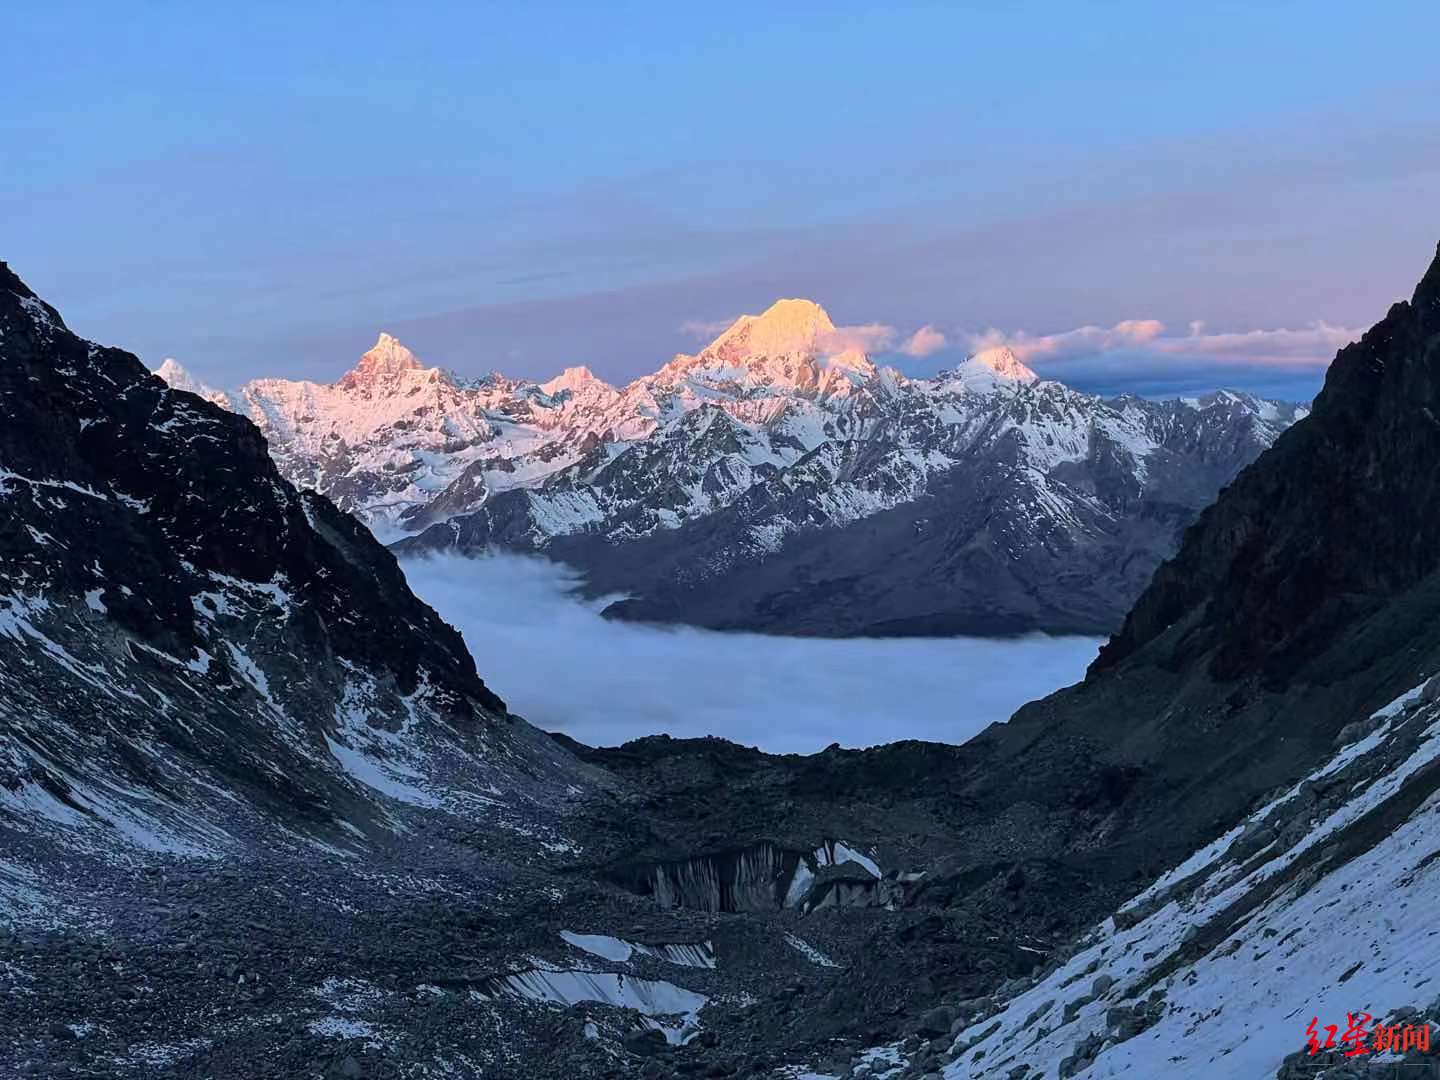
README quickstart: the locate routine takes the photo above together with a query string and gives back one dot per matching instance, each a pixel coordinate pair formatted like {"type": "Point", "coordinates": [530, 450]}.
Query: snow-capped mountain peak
{"type": "Point", "coordinates": [843, 371]}
{"type": "Point", "coordinates": [575, 380]}
{"type": "Point", "coordinates": [175, 373]}
{"type": "Point", "coordinates": [177, 376]}
{"type": "Point", "coordinates": [790, 348]}
{"type": "Point", "coordinates": [785, 328]}
{"type": "Point", "coordinates": [387, 357]}
{"type": "Point", "coordinates": [1003, 361]}
{"type": "Point", "coordinates": [992, 368]}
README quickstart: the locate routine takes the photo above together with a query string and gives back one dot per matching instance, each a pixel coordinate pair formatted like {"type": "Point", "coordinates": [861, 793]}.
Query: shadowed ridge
{"type": "Point", "coordinates": [10, 282]}
{"type": "Point", "coordinates": [163, 587]}
{"type": "Point", "coordinates": [1337, 517]}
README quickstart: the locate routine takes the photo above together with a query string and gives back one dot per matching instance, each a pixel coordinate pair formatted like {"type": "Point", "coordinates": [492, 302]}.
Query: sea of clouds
{"type": "Point", "coordinates": [561, 665]}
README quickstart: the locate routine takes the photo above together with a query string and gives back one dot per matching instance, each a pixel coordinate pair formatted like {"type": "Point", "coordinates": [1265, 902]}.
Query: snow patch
{"type": "Point", "coordinates": [671, 1009]}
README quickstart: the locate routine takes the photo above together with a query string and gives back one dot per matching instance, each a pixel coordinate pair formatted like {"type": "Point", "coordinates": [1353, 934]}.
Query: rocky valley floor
{"type": "Point", "coordinates": [637, 938]}
{"type": "Point", "coordinates": [460, 950]}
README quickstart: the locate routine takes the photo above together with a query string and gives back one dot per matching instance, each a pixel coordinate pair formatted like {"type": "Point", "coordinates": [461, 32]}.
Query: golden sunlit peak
{"type": "Point", "coordinates": [785, 327]}
{"type": "Point", "coordinates": [386, 357]}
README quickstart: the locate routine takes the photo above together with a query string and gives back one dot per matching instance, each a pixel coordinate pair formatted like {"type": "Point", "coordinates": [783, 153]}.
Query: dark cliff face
{"type": "Point", "coordinates": [192, 492]}
{"type": "Point", "coordinates": [174, 614]}
{"type": "Point", "coordinates": [1338, 517]}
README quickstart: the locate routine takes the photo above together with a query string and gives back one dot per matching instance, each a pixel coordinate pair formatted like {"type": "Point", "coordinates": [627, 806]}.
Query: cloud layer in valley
{"type": "Point", "coordinates": [563, 667]}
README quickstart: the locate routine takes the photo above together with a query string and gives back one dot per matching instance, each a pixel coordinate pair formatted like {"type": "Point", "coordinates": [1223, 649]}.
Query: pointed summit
{"type": "Point", "coordinates": [993, 368]}
{"type": "Point", "coordinates": [175, 374]}
{"type": "Point", "coordinates": [177, 377]}
{"type": "Point", "coordinates": [791, 347]}
{"type": "Point", "coordinates": [575, 380]}
{"type": "Point", "coordinates": [1427, 292]}
{"type": "Point", "coordinates": [785, 328]}
{"type": "Point", "coordinates": [1004, 363]}
{"type": "Point", "coordinates": [387, 357]}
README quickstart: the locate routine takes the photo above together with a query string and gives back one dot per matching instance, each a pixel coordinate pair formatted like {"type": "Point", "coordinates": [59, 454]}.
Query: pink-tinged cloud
{"type": "Point", "coordinates": [1082, 341]}
{"type": "Point", "coordinates": [869, 338]}
{"type": "Point", "coordinates": [923, 342]}
{"type": "Point", "coordinates": [1311, 346]}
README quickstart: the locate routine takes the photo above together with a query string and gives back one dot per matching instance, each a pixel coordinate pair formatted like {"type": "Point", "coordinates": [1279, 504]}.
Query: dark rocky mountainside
{"type": "Point", "coordinates": [232, 743]}
{"type": "Point", "coordinates": [186, 598]}
{"type": "Point", "coordinates": [1336, 522]}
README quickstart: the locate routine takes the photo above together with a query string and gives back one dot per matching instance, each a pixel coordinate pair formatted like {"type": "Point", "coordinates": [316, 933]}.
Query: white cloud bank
{"type": "Point", "coordinates": [564, 668]}
{"type": "Point", "coordinates": [923, 342]}
{"type": "Point", "coordinates": [867, 338]}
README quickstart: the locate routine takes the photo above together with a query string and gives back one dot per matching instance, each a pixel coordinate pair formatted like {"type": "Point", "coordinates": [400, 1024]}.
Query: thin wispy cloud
{"type": "Point", "coordinates": [706, 329]}
{"type": "Point", "coordinates": [1082, 341]}
{"type": "Point", "coordinates": [563, 667]}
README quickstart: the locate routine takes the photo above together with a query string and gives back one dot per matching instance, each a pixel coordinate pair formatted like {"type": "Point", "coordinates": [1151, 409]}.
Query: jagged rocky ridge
{"type": "Point", "coordinates": [779, 481]}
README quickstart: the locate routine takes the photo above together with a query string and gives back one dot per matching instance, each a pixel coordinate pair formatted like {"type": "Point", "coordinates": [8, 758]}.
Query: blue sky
{"type": "Point", "coordinates": [525, 187]}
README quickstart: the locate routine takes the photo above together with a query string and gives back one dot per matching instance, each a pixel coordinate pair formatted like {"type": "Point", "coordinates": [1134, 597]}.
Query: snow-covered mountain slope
{"type": "Point", "coordinates": [1025, 506]}
{"type": "Point", "coordinates": [695, 490]}
{"type": "Point", "coordinates": [192, 652]}
{"type": "Point", "coordinates": [1317, 906]}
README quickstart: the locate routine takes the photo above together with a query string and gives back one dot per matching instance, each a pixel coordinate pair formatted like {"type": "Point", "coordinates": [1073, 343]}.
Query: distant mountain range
{"type": "Point", "coordinates": [777, 480]}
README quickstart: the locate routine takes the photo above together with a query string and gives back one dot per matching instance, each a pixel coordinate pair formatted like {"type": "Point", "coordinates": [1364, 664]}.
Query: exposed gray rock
{"type": "Point", "coordinates": [1085, 1052]}
{"type": "Point", "coordinates": [937, 1021]}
